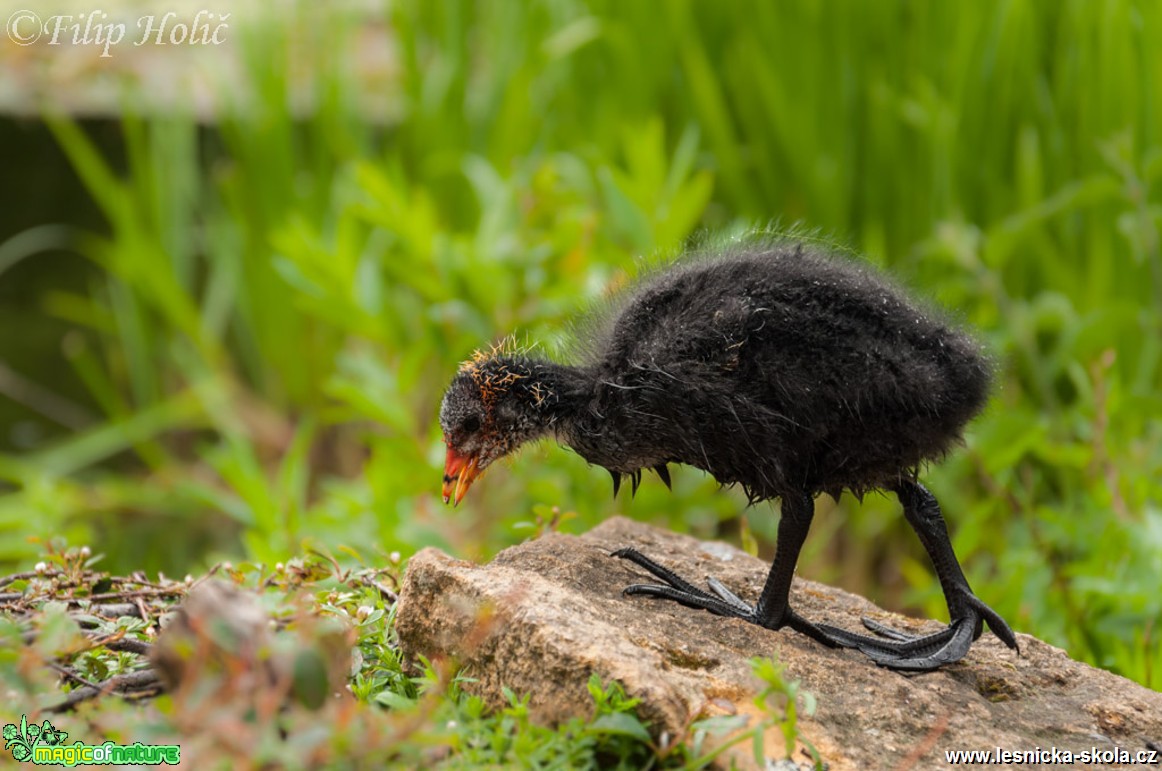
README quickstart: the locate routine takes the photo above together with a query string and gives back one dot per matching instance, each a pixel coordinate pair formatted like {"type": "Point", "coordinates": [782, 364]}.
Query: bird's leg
{"type": "Point", "coordinates": [773, 610]}
{"type": "Point", "coordinates": [899, 650]}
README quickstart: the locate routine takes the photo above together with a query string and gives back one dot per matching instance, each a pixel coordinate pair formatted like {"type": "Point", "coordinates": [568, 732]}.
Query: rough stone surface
{"type": "Point", "coordinates": [545, 615]}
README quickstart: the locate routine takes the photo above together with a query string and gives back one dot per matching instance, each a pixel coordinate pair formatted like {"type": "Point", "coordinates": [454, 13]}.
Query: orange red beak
{"type": "Point", "coordinates": [460, 471]}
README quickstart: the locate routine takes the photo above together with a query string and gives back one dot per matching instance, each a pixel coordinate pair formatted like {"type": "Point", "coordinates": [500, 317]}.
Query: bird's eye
{"type": "Point", "coordinates": [470, 425]}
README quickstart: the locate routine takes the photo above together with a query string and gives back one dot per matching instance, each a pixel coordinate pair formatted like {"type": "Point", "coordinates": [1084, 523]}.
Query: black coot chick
{"type": "Point", "coordinates": [773, 366]}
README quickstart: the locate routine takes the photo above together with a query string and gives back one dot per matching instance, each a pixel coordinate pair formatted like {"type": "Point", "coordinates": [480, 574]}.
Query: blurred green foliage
{"type": "Point", "coordinates": [279, 299]}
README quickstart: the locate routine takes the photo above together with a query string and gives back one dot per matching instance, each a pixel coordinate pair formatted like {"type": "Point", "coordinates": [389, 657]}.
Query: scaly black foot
{"type": "Point", "coordinates": [898, 650]}
{"type": "Point", "coordinates": [722, 602]}
{"type": "Point", "coordinates": [894, 649]}
{"type": "Point", "coordinates": [891, 648]}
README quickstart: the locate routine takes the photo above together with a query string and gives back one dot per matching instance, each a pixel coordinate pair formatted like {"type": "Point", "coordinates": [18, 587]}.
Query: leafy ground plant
{"type": "Point", "coordinates": [82, 651]}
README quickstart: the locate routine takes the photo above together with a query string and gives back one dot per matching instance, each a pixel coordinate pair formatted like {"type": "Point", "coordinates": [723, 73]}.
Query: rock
{"type": "Point", "coordinates": [545, 615]}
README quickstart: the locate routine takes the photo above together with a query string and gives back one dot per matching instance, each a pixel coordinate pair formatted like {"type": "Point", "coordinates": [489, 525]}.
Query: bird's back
{"type": "Point", "coordinates": [782, 368]}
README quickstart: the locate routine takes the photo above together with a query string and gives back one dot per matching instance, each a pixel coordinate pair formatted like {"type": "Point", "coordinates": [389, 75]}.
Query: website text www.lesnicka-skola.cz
{"type": "Point", "coordinates": [1053, 756]}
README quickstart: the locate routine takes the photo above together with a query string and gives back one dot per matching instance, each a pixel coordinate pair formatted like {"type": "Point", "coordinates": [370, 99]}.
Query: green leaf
{"type": "Point", "coordinates": [620, 724]}
{"type": "Point", "coordinates": [394, 700]}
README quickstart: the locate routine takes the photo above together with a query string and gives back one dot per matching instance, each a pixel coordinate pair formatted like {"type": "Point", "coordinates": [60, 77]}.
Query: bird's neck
{"type": "Point", "coordinates": [560, 391]}
{"type": "Point", "coordinates": [553, 393]}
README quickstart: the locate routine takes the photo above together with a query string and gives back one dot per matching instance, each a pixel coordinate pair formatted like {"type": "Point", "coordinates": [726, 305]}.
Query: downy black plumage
{"type": "Point", "coordinates": [774, 366]}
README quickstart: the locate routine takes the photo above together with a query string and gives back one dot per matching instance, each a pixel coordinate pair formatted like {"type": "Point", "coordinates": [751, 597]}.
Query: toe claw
{"type": "Point", "coordinates": [994, 620]}
{"type": "Point", "coordinates": [952, 651]}
{"type": "Point", "coordinates": [727, 596]}
{"type": "Point", "coordinates": [899, 651]}
{"type": "Point", "coordinates": [887, 632]}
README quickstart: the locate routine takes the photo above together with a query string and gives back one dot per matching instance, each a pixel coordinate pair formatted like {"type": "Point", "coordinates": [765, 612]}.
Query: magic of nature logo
{"type": "Point", "coordinates": [45, 745]}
